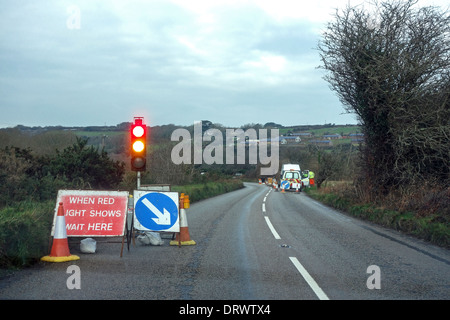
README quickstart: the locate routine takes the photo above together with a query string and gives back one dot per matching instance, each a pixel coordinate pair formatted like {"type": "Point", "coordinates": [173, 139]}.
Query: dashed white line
{"type": "Point", "coordinates": [305, 274]}
{"type": "Point", "coordinates": [274, 232]}
{"type": "Point", "coordinates": [263, 208]}
{"type": "Point", "coordinates": [311, 282]}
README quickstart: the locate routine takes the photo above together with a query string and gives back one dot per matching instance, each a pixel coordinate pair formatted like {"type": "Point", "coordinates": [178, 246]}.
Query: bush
{"type": "Point", "coordinates": [87, 166]}
{"type": "Point", "coordinates": [27, 176]}
{"type": "Point", "coordinates": [389, 65]}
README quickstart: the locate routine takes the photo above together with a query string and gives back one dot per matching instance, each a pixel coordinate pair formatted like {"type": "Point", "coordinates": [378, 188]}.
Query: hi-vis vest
{"type": "Point", "coordinates": [311, 175]}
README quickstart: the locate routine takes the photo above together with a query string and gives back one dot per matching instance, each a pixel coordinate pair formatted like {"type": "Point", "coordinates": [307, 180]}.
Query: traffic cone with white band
{"type": "Point", "coordinates": [60, 247]}
{"type": "Point", "coordinates": [183, 238]}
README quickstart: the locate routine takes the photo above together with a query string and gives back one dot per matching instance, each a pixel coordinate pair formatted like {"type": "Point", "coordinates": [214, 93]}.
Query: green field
{"type": "Point", "coordinates": [318, 132]}
{"type": "Point", "coordinates": [90, 134]}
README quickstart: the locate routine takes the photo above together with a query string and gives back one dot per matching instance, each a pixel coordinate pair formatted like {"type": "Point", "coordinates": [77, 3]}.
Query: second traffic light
{"type": "Point", "coordinates": [138, 145]}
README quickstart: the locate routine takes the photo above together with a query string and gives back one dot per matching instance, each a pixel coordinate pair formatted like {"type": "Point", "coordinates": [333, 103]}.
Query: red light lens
{"type": "Point", "coordinates": [138, 131]}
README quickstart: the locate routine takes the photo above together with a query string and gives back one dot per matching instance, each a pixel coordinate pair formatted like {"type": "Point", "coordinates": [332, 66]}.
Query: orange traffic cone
{"type": "Point", "coordinates": [183, 238]}
{"type": "Point", "coordinates": [60, 247]}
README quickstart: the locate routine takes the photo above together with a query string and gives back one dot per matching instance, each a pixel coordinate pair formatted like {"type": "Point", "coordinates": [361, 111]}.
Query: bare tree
{"type": "Point", "coordinates": [163, 171]}
{"type": "Point", "coordinates": [391, 66]}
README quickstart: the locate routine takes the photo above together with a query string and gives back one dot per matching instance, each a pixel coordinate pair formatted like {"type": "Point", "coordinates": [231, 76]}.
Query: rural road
{"type": "Point", "coordinates": [252, 244]}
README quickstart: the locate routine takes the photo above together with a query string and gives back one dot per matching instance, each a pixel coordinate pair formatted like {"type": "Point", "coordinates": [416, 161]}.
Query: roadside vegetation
{"type": "Point", "coordinates": [25, 232]}
{"type": "Point", "coordinates": [207, 190]}
{"type": "Point", "coordinates": [424, 214]}
{"type": "Point", "coordinates": [389, 64]}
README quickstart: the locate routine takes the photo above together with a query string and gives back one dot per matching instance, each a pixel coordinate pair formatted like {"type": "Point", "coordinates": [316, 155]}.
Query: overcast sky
{"type": "Point", "coordinates": [81, 63]}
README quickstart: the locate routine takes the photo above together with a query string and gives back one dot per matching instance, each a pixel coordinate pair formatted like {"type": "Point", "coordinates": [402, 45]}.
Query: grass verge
{"type": "Point", "coordinates": [206, 190]}
{"type": "Point", "coordinates": [24, 233]}
{"type": "Point", "coordinates": [431, 227]}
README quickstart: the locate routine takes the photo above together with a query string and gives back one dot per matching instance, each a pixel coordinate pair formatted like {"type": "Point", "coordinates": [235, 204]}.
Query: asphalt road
{"type": "Point", "coordinates": [254, 244]}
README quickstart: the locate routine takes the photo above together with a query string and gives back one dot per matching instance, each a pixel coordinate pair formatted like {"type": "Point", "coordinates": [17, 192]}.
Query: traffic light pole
{"type": "Point", "coordinates": [138, 179]}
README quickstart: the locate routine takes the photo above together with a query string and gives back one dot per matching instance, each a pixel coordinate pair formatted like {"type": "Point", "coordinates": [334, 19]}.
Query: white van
{"type": "Point", "coordinates": [291, 178]}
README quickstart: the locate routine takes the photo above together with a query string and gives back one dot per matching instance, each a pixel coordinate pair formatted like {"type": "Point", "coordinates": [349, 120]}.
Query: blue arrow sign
{"type": "Point", "coordinates": [157, 211]}
{"type": "Point", "coordinates": [285, 184]}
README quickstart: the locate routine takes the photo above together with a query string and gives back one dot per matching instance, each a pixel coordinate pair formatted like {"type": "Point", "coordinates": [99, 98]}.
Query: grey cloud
{"type": "Point", "coordinates": [233, 65]}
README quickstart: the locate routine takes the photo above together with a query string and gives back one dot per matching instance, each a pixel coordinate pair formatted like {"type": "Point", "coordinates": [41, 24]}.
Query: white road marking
{"type": "Point", "coordinates": [305, 274]}
{"type": "Point", "coordinates": [274, 232]}
{"type": "Point", "coordinates": [311, 282]}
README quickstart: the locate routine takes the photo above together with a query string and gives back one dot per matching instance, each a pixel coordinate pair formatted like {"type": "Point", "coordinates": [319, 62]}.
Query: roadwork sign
{"type": "Point", "coordinates": [156, 211]}
{"type": "Point", "coordinates": [285, 184]}
{"type": "Point", "coordinates": [90, 213]}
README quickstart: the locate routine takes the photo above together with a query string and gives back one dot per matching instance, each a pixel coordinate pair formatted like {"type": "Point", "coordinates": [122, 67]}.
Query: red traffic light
{"type": "Point", "coordinates": [138, 145]}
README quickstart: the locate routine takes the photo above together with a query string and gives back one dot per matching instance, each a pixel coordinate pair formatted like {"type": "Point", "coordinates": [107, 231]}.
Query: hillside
{"type": "Point", "coordinates": [45, 140]}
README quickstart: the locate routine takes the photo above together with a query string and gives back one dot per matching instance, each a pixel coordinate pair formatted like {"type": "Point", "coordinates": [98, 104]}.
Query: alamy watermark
{"type": "Point", "coordinates": [74, 280]}
{"type": "Point", "coordinates": [374, 280]}
{"type": "Point", "coordinates": [213, 153]}
{"type": "Point", "coordinates": [74, 19]}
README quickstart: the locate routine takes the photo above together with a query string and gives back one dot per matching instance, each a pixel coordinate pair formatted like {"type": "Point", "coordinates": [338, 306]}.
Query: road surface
{"type": "Point", "coordinates": [252, 244]}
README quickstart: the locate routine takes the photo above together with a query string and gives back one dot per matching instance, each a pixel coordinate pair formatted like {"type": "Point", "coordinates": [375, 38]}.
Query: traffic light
{"type": "Point", "coordinates": [138, 144]}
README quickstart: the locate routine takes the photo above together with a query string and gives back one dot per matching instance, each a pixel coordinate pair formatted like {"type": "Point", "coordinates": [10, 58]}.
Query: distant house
{"type": "Point", "coordinates": [289, 139]}
{"type": "Point", "coordinates": [356, 135]}
{"type": "Point", "coordinates": [324, 143]}
{"type": "Point", "coordinates": [332, 136]}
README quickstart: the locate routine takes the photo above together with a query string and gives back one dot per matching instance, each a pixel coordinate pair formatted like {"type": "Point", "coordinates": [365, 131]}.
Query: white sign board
{"type": "Point", "coordinates": [156, 211]}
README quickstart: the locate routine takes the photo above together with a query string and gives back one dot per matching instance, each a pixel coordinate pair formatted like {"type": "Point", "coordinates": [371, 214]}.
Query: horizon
{"type": "Point", "coordinates": [182, 126]}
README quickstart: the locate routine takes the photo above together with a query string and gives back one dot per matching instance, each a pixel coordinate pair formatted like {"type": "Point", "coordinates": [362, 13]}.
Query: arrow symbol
{"type": "Point", "coordinates": [162, 218]}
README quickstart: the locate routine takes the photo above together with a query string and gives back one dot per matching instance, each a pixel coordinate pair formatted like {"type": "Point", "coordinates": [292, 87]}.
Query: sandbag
{"type": "Point", "coordinates": [150, 238]}
{"type": "Point", "coordinates": [88, 245]}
